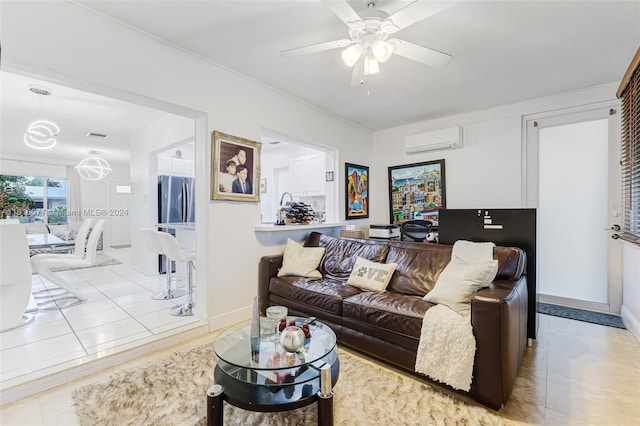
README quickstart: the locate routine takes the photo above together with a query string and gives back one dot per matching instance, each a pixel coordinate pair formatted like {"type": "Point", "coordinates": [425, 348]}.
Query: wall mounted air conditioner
{"type": "Point", "coordinates": [435, 140]}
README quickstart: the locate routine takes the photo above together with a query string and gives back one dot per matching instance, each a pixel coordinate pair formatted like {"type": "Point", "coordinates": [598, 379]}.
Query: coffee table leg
{"type": "Point", "coordinates": [325, 398]}
{"type": "Point", "coordinates": [214, 406]}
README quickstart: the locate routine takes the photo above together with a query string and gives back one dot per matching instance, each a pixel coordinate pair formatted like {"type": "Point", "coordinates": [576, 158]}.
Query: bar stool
{"type": "Point", "coordinates": [172, 249]}
{"type": "Point", "coordinates": [154, 246]}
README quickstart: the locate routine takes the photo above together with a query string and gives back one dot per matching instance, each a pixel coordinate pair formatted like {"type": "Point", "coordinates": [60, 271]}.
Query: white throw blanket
{"type": "Point", "coordinates": [447, 346]}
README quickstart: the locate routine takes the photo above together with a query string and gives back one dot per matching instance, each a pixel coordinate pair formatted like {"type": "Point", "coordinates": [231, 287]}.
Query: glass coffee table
{"type": "Point", "coordinates": [271, 379]}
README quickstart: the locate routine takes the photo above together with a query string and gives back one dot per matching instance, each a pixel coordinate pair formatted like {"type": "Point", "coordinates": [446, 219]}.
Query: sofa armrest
{"type": "Point", "coordinates": [268, 268]}
{"type": "Point", "coordinates": [499, 320]}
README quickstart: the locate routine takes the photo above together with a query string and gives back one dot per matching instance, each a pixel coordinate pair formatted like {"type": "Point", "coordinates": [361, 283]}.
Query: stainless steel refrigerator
{"type": "Point", "coordinates": [176, 203]}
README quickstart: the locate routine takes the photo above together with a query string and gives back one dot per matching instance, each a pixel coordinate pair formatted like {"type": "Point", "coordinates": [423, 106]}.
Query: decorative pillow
{"type": "Point", "coordinates": [458, 281]}
{"type": "Point", "coordinates": [301, 261]}
{"type": "Point", "coordinates": [369, 275]}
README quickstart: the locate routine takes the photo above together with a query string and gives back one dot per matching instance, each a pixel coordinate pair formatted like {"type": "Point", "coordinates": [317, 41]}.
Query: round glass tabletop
{"type": "Point", "coordinates": [269, 363]}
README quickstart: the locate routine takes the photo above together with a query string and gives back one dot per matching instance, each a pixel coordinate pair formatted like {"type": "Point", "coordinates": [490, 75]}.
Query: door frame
{"type": "Point", "coordinates": [531, 124]}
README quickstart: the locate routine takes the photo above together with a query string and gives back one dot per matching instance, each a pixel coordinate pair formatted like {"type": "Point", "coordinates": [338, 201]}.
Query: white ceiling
{"type": "Point", "coordinates": [503, 52]}
{"type": "Point", "coordinates": [76, 113]}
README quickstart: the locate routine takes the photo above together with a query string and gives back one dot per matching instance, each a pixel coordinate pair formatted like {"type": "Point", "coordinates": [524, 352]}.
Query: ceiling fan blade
{"type": "Point", "coordinates": [357, 77]}
{"type": "Point", "coordinates": [430, 57]}
{"type": "Point", "coordinates": [345, 12]}
{"type": "Point", "coordinates": [315, 48]}
{"type": "Point", "coordinates": [417, 11]}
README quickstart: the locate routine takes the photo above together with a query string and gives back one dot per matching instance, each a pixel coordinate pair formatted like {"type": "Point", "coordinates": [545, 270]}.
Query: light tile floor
{"type": "Point", "coordinates": [576, 374]}
{"type": "Point", "coordinates": [118, 315]}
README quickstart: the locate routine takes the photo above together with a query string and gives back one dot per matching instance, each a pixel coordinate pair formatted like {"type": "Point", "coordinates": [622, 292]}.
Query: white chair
{"type": "Point", "coordinates": [154, 246]}
{"type": "Point", "coordinates": [9, 221]}
{"type": "Point", "coordinates": [78, 250]}
{"type": "Point", "coordinates": [172, 250]}
{"type": "Point", "coordinates": [71, 296]}
{"type": "Point", "coordinates": [15, 276]}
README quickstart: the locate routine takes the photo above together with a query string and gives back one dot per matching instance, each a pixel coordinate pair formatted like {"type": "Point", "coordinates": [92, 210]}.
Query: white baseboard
{"type": "Point", "coordinates": [230, 318]}
{"type": "Point", "coordinates": [575, 303]}
{"type": "Point", "coordinates": [632, 323]}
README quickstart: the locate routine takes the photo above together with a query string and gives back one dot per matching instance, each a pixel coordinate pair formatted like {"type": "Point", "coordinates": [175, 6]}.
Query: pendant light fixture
{"type": "Point", "coordinates": [41, 134]}
{"type": "Point", "coordinates": [93, 167]}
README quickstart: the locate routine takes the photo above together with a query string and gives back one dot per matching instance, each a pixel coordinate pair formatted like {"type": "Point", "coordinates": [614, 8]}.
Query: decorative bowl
{"type": "Point", "coordinates": [292, 338]}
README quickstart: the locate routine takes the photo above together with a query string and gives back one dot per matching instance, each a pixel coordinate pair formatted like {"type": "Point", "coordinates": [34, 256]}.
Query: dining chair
{"type": "Point", "coordinates": [15, 277]}
{"type": "Point", "coordinates": [71, 296]}
{"type": "Point", "coordinates": [152, 241]}
{"type": "Point", "coordinates": [172, 249]}
{"type": "Point", "coordinates": [78, 250]}
{"type": "Point", "coordinates": [9, 221]}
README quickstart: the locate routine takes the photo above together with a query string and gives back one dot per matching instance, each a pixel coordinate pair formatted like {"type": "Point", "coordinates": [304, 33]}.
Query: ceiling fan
{"type": "Point", "coordinates": [369, 44]}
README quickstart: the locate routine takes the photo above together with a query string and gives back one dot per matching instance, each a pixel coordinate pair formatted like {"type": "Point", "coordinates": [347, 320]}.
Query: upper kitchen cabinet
{"type": "Point", "coordinates": [173, 166]}
{"type": "Point", "coordinates": [307, 175]}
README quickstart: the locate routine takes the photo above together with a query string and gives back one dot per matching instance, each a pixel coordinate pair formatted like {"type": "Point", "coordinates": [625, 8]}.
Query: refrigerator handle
{"type": "Point", "coordinates": [185, 201]}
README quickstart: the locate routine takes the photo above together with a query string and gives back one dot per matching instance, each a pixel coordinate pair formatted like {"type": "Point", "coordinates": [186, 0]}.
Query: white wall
{"type": "Point", "coordinates": [488, 172]}
{"type": "Point", "coordinates": [62, 39]}
{"type": "Point", "coordinates": [144, 146]}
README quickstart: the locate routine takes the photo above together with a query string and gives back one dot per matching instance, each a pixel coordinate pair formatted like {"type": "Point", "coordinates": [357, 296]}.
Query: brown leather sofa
{"type": "Point", "coordinates": [387, 325]}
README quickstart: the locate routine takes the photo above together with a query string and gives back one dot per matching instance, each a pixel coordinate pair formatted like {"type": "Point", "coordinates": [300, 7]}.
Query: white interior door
{"type": "Point", "coordinates": [571, 177]}
{"type": "Point", "coordinates": [119, 222]}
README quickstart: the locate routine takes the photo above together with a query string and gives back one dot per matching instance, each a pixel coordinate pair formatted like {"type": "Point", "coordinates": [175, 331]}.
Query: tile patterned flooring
{"type": "Point", "coordinates": [576, 374]}
{"type": "Point", "coordinates": [119, 314]}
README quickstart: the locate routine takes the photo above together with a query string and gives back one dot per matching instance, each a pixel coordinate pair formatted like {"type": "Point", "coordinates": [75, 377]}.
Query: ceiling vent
{"type": "Point", "coordinates": [436, 140]}
{"type": "Point", "coordinates": [98, 135]}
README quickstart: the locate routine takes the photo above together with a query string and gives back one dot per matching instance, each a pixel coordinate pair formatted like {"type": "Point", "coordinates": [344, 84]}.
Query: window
{"type": "Point", "coordinates": [34, 198]}
{"type": "Point", "coordinates": [630, 153]}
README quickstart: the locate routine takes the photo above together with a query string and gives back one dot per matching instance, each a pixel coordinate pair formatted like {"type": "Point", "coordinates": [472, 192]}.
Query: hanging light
{"type": "Point", "coordinates": [351, 54]}
{"type": "Point", "coordinates": [381, 50]}
{"type": "Point", "coordinates": [41, 134]}
{"type": "Point", "coordinates": [93, 167]}
{"type": "Point", "coordinates": [371, 65]}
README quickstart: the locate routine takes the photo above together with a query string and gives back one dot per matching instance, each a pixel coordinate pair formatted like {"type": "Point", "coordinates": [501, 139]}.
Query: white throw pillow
{"type": "Point", "coordinates": [369, 275]}
{"type": "Point", "coordinates": [301, 261]}
{"type": "Point", "coordinates": [458, 282]}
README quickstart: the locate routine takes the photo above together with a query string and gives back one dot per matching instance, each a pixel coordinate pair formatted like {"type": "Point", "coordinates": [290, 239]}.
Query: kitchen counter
{"type": "Point", "coordinates": [189, 226]}
{"type": "Point", "coordinates": [270, 227]}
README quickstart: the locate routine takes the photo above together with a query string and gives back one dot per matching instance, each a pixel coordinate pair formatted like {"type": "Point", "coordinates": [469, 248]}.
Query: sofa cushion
{"type": "Point", "coordinates": [394, 312]}
{"type": "Point", "coordinates": [372, 276]}
{"type": "Point", "coordinates": [324, 294]}
{"type": "Point", "coordinates": [459, 281]}
{"type": "Point", "coordinates": [419, 266]}
{"type": "Point", "coordinates": [341, 254]}
{"type": "Point", "coordinates": [300, 261]}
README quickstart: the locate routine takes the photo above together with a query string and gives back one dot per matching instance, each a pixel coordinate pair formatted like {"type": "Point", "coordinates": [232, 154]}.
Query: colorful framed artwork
{"type": "Point", "coordinates": [356, 191]}
{"type": "Point", "coordinates": [416, 191]}
{"type": "Point", "coordinates": [235, 168]}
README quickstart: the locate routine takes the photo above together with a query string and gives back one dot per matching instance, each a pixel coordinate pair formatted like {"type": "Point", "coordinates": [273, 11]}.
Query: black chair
{"type": "Point", "coordinates": [415, 230]}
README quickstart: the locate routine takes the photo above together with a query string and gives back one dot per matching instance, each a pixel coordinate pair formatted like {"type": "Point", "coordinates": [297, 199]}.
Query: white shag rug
{"type": "Point", "coordinates": [171, 391]}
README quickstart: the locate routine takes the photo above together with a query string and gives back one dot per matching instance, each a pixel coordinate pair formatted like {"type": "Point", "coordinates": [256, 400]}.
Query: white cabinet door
{"type": "Point", "coordinates": [182, 167]}
{"type": "Point", "coordinates": [297, 176]}
{"type": "Point", "coordinates": [315, 179]}
{"type": "Point", "coordinates": [164, 165]}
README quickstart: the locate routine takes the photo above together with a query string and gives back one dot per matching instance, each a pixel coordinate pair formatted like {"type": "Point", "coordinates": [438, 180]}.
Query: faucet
{"type": "Point", "coordinates": [282, 198]}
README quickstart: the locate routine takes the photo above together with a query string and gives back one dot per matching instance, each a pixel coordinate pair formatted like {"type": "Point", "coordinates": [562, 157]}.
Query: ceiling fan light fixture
{"type": "Point", "coordinates": [382, 50]}
{"type": "Point", "coordinates": [351, 54]}
{"type": "Point", "coordinates": [371, 65]}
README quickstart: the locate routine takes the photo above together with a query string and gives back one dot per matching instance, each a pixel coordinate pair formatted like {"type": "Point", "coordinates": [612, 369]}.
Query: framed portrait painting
{"type": "Point", "coordinates": [416, 191]}
{"type": "Point", "coordinates": [235, 168]}
{"type": "Point", "coordinates": [356, 201]}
